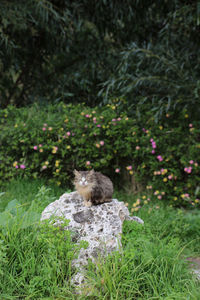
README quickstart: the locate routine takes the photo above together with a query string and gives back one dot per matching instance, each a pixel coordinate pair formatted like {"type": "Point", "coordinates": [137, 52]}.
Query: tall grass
{"type": "Point", "coordinates": [35, 259]}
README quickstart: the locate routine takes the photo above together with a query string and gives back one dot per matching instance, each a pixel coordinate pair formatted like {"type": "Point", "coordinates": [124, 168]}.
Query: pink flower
{"type": "Point", "coordinates": [68, 133]}
{"type": "Point", "coordinates": [35, 147]}
{"type": "Point", "coordinates": [153, 151]}
{"type": "Point", "coordinates": [190, 125]}
{"type": "Point", "coordinates": [119, 119]}
{"type": "Point", "coordinates": [154, 145]}
{"type": "Point", "coordinates": [188, 170]}
{"type": "Point", "coordinates": [43, 128]}
{"type": "Point", "coordinates": [114, 120]}
{"type": "Point", "coordinates": [117, 170]}
{"type": "Point", "coordinates": [40, 145]}
{"type": "Point", "coordinates": [191, 162]}
{"type": "Point", "coordinates": [98, 125]}
{"type": "Point", "coordinates": [16, 166]}
{"type": "Point", "coordinates": [170, 177]}
{"type": "Point", "coordinates": [137, 147]}
{"type": "Point", "coordinates": [44, 167]}
{"type": "Point", "coordinates": [87, 116]}
{"type": "Point", "coordinates": [151, 140]}
{"type": "Point", "coordinates": [159, 197]}
{"type": "Point", "coordinates": [22, 166]}
{"type": "Point", "coordinates": [45, 124]}
{"type": "Point", "coordinates": [159, 157]}
{"type": "Point", "coordinates": [101, 143]}
{"type": "Point", "coordinates": [87, 163]}
{"type": "Point", "coordinates": [129, 168]}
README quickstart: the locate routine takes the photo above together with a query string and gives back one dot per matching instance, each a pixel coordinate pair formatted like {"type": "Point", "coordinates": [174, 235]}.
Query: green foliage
{"type": "Point", "coordinates": [35, 262]}
{"type": "Point", "coordinates": [35, 258]}
{"type": "Point", "coordinates": [66, 50]}
{"type": "Point", "coordinates": [149, 268]}
{"type": "Point", "coordinates": [58, 49]}
{"type": "Point", "coordinates": [51, 142]}
{"type": "Point", "coordinates": [162, 69]}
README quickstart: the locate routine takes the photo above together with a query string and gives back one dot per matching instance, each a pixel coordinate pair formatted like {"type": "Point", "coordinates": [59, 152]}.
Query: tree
{"type": "Point", "coordinates": [94, 50]}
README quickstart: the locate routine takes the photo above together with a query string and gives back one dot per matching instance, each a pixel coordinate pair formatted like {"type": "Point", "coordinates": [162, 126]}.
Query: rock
{"type": "Point", "coordinates": [99, 225]}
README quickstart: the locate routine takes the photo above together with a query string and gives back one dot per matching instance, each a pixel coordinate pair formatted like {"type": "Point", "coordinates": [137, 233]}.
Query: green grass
{"type": "Point", "coordinates": [35, 259]}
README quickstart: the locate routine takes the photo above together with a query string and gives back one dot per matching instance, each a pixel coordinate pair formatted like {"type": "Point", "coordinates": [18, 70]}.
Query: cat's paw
{"type": "Point", "coordinates": [87, 203]}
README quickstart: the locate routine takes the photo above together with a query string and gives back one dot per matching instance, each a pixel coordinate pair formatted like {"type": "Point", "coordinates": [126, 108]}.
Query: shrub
{"type": "Point", "coordinates": [51, 141]}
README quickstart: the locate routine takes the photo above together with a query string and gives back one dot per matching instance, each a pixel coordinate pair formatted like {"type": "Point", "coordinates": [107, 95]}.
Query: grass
{"type": "Point", "coordinates": [35, 259]}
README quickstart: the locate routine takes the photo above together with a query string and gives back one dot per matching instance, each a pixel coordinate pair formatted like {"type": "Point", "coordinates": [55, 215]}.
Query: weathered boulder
{"type": "Point", "coordinates": [99, 225]}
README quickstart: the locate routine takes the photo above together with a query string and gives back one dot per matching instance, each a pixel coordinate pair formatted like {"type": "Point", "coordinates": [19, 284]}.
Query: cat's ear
{"type": "Point", "coordinates": [76, 173]}
{"type": "Point", "coordinates": [92, 172]}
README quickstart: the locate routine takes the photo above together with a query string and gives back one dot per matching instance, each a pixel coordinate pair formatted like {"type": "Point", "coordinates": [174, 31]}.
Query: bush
{"type": "Point", "coordinates": [51, 141]}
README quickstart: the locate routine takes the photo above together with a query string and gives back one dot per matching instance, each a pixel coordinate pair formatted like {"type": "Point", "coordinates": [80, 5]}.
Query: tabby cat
{"type": "Point", "coordinates": [94, 187]}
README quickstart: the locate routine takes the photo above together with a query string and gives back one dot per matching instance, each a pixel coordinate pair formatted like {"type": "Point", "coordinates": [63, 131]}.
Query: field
{"type": "Point", "coordinates": [35, 259]}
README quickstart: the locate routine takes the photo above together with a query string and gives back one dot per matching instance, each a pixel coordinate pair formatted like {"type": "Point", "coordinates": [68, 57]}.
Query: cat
{"type": "Point", "coordinates": [94, 187]}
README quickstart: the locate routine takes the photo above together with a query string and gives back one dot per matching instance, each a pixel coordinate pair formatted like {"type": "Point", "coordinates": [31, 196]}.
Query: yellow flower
{"type": "Point", "coordinates": [138, 201]}
{"type": "Point", "coordinates": [113, 107]}
{"type": "Point", "coordinates": [126, 118]}
{"type": "Point", "coordinates": [93, 112]}
{"type": "Point", "coordinates": [16, 126]}
{"type": "Point", "coordinates": [58, 183]}
{"type": "Point", "coordinates": [145, 202]}
{"type": "Point", "coordinates": [137, 208]}
{"type": "Point", "coordinates": [182, 196]}
{"type": "Point", "coordinates": [5, 115]}
{"type": "Point", "coordinates": [135, 204]}
{"type": "Point", "coordinates": [68, 147]}
{"type": "Point", "coordinates": [97, 145]}
{"type": "Point", "coordinates": [161, 127]}
{"type": "Point", "coordinates": [126, 204]}
{"type": "Point", "coordinates": [46, 163]}
{"type": "Point", "coordinates": [66, 120]}
{"type": "Point", "coordinates": [186, 116]}
{"type": "Point", "coordinates": [165, 179]}
{"type": "Point", "coordinates": [57, 170]}
{"type": "Point", "coordinates": [144, 197]}
{"type": "Point", "coordinates": [175, 198]}
{"type": "Point", "coordinates": [196, 200]}
{"type": "Point", "coordinates": [131, 172]}
{"type": "Point", "coordinates": [41, 150]}
{"type": "Point", "coordinates": [14, 164]}
{"type": "Point", "coordinates": [82, 113]}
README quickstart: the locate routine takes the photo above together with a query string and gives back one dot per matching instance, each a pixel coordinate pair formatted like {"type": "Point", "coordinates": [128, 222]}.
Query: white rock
{"type": "Point", "coordinates": [99, 225]}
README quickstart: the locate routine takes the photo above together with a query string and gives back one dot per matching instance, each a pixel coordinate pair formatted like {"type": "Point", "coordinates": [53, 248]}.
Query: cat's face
{"type": "Point", "coordinates": [83, 178]}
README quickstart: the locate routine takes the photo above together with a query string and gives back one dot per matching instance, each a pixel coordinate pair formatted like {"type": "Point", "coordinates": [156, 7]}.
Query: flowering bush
{"type": "Point", "coordinates": [52, 141]}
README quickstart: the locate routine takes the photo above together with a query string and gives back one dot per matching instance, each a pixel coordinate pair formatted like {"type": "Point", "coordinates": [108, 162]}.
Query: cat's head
{"type": "Point", "coordinates": [84, 178]}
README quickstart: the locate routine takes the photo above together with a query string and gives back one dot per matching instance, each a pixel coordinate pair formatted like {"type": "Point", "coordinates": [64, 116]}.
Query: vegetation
{"type": "Point", "coordinates": [109, 85]}
{"type": "Point", "coordinates": [35, 259]}
{"type": "Point", "coordinates": [49, 142]}
{"type": "Point", "coordinates": [93, 50]}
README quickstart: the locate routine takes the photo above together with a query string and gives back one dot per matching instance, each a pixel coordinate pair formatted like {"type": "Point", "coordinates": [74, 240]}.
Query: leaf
{"type": "Point", "coordinates": [13, 206]}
